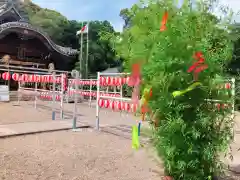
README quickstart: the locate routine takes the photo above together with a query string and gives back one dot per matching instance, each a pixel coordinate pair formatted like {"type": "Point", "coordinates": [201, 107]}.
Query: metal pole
{"type": "Point", "coordinates": [90, 91]}
{"type": "Point", "coordinates": [98, 96]}
{"type": "Point", "coordinates": [19, 89]}
{"type": "Point", "coordinates": [62, 94]}
{"type": "Point", "coordinates": [81, 52]}
{"type": "Point", "coordinates": [87, 51]}
{"type": "Point", "coordinates": [54, 97]}
{"type": "Point", "coordinates": [74, 126]}
{"type": "Point", "coordinates": [35, 101]}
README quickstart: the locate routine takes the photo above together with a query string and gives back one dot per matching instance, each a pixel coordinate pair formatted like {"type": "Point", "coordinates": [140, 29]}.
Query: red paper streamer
{"type": "Point", "coordinates": [164, 21]}
{"type": "Point", "coordinates": [198, 66]}
{"type": "Point", "coordinates": [134, 81]}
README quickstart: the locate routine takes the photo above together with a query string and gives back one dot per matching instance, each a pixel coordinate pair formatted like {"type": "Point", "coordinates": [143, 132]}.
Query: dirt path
{"type": "Point", "coordinates": [74, 156]}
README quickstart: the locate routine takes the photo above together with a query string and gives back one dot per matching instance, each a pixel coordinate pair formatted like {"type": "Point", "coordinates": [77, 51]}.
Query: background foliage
{"type": "Point", "coordinates": [63, 32]}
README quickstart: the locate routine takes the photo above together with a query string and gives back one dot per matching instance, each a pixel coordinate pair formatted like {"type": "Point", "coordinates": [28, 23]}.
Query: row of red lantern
{"type": "Point", "coordinates": [113, 81]}
{"type": "Point", "coordinates": [117, 105]}
{"type": "Point", "coordinates": [222, 106]}
{"type": "Point", "coordinates": [224, 86]}
{"type": "Point", "coordinates": [104, 81]}
{"type": "Point", "coordinates": [93, 94]}
{"type": "Point", "coordinates": [48, 96]}
{"type": "Point", "coordinates": [81, 82]}
{"type": "Point", "coordinates": [29, 77]}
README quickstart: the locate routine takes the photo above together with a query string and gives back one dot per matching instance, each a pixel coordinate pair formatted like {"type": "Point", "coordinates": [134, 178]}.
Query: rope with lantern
{"type": "Point", "coordinates": [34, 78]}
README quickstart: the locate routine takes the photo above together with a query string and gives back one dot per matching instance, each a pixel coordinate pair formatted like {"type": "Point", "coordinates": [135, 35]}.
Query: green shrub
{"type": "Point", "coordinates": [191, 133]}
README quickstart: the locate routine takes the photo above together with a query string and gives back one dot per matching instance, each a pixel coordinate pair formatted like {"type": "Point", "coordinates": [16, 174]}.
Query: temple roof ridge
{"type": "Point", "coordinates": [68, 51]}
{"type": "Point", "coordinates": [6, 6]}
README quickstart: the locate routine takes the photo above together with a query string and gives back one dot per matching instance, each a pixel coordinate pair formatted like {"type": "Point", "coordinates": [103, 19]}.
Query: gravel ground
{"type": "Point", "coordinates": [12, 113]}
{"type": "Point", "coordinates": [71, 155]}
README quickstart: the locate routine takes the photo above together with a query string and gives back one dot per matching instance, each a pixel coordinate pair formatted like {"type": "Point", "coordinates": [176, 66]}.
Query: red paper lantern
{"type": "Point", "coordinates": [100, 102]}
{"type": "Point", "coordinates": [112, 105]}
{"type": "Point", "coordinates": [58, 80]}
{"type": "Point", "coordinates": [113, 82]}
{"type": "Point", "coordinates": [127, 107]}
{"type": "Point", "coordinates": [31, 78]}
{"type": "Point", "coordinates": [49, 78]}
{"type": "Point", "coordinates": [119, 106]}
{"type": "Point", "coordinates": [58, 97]}
{"type": "Point", "coordinates": [106, 103]}
{"type": "Point", "coordinates": [228, 86]}
{"type": "Point", "coordinates": [6, 76]}
{"type": "Point", "coordinates": [134, 108]}
{"type": "Point", "coordinates": [15, 76]}
{"type": "Point", "coordinates": [40, 78]}
{"type": "Point", "coordinates": [24, 78]}
{"type": "Point", "coordinates": [127, 80]}
{"type": "Point", "coordinates": [117, 81]}
{"type": "Point", "coordinates": [45, 78]}
{"type": "Point", "coordinates": [121, 79]}
{"type": "Point", "coordinates": [218, 105]}
{"type": "Point", "coordinates": [37, 78]}
{"type": "Point", "coordinates": [103, 81]}
{"type": "Point", "coordinates": [108, 80]}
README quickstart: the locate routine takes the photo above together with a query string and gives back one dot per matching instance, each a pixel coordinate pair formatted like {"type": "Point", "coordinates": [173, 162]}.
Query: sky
{"type": "Point", "coordinates": [87, 10]}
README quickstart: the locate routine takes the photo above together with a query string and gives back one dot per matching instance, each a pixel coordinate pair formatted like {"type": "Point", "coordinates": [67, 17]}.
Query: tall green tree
{"type": "Point", "coordinates": [51, 22]}
{"type": "Point", "coordinates": [101, 55]}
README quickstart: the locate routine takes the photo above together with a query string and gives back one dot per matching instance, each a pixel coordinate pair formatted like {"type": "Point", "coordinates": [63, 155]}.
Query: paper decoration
{"type": "Point", "coordinates": [147, 94]}
{"type": "Point", "coordinates": [135, 138]}
{"type": "Point", "coordinates": [164, 21]}
{"type": "Point", "coordinates": [190, 88]}
{"type": "Point", "coordinates": [134, 79]}
{"type": "Point", "coordinates": [6, 76]}
{"type": "Point", "coordinates": [15, 76]}
{"type": "Point", "coordinates": [198, 66]}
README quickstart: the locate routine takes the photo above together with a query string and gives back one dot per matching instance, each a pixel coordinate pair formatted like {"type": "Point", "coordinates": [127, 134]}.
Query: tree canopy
{"type": "Point", "coordinates": [63, 32]}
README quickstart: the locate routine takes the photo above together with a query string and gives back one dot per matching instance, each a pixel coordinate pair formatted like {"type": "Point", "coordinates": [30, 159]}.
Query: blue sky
{"type": "Point", "coordinates": [87, 10]}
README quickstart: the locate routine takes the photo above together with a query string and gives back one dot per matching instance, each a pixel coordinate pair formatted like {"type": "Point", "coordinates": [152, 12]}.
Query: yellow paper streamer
{"type": "Point", "coordinates": [145, 96]}
{"type": "Point", "coordinates": [135, 138]}
{"type": "Point", "coordinates": [190, 88]}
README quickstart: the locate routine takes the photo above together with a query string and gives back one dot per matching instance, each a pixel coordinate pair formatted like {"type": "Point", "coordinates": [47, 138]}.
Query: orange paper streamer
{"type": "Point", "coordinates": [134, 81]}
{"type": "Point", "coordinates": [164, 22]}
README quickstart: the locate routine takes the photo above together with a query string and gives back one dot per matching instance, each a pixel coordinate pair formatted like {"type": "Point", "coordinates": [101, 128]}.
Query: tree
{"type": "Point", "coordinates": [101, 55]}
{"type": "Point", "coordinates": [125, 15]}
{"type": "Point", "coordinates": [51, 21]}
{"type": "Point", "coordinates": [63, 32]}
{"type": "Point", "coordinates": [190, 134]}
{"type": "Point", "coordinates": [69, 38]}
